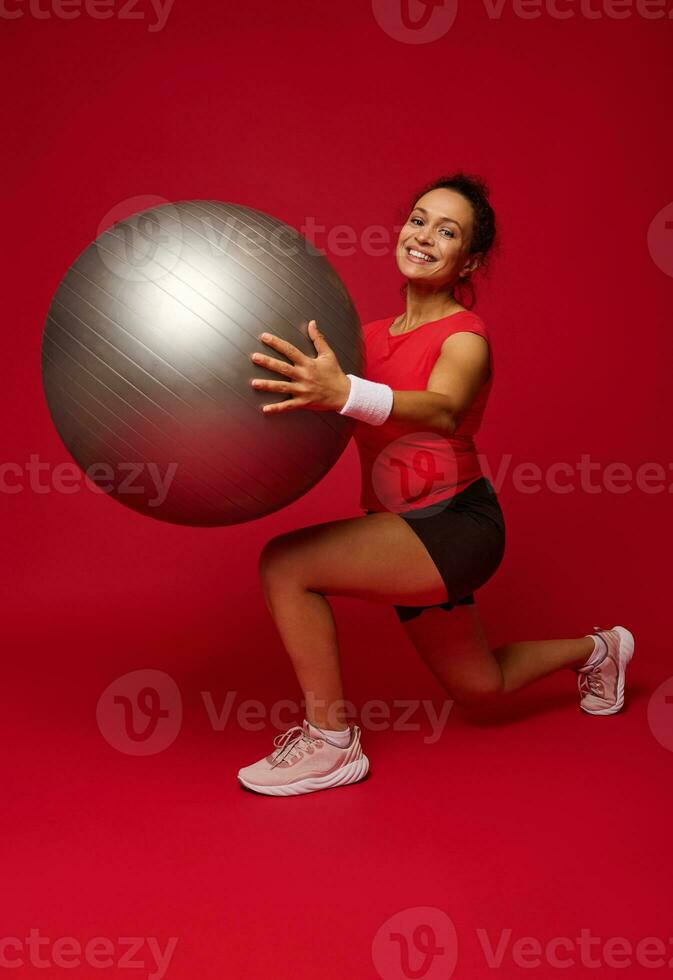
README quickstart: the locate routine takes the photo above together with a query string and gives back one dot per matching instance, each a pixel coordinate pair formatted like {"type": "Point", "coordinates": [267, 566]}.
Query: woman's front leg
{"type": "Point", "coordinates": [306, 625]}
{"type": "Point", "coordinates": [376, 557]}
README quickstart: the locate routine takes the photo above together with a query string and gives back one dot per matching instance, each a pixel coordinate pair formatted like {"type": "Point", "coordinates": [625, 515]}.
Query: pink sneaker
{"type": "Point", "coordinates": [304, 761]}
{"type": "Point", "coordinates": [602, 686]}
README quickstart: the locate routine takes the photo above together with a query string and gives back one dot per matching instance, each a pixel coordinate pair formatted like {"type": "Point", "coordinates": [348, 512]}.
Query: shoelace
{"type": "Point", "coordinates": [287, 741]}
{"type": "Point", "coordinates": [591, 683]}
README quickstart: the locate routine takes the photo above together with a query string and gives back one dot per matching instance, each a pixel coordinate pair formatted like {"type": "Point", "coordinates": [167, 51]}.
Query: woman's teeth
{"type": "Point", "coordinates": [419, 255]}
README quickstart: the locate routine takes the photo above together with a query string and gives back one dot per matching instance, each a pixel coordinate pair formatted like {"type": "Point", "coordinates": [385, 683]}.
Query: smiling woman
{"type": "Point", "coordinates": [433, 531]}
{"type": "Point", "coordinates": [465, 234]}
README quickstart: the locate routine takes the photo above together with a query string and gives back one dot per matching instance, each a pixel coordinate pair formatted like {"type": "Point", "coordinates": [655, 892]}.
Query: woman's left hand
{"type": "Point", "coordinates": [317, 383]}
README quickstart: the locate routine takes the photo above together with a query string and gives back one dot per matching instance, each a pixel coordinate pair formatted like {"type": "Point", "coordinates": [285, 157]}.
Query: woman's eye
{"type": "Point", "coordinates": [420, 221]}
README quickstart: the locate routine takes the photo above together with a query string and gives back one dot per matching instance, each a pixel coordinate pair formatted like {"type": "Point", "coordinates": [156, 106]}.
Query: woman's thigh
{"type": "Point", "coordinates": [375, 557]}
{"type": "Point", "coordinates": [454, 646]}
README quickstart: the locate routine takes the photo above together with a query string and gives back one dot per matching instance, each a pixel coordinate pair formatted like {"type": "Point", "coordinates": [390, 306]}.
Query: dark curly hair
{"type": "Point", "coordinates": [475, 190]}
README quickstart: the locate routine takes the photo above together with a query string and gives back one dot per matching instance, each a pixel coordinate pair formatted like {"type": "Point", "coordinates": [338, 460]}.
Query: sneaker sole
{"type": "Point", "coordinates": [350, 773]}
{"type": "Point", "coordinates": [626, 648]}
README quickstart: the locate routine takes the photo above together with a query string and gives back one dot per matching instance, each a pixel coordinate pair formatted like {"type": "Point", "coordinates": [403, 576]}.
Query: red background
{"type": "Point", "coordinates": [539, 819]}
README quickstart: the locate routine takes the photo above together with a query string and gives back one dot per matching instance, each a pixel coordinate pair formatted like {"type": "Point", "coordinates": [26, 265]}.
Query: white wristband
{"type": "Point", "coordinates": [368, 401]}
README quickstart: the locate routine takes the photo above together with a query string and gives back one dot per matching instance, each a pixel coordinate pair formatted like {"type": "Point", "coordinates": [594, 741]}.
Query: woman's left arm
{"type": "Point", "coordinates": [459, 373]}
{"type": "Point", "coordinates": [318, 383]}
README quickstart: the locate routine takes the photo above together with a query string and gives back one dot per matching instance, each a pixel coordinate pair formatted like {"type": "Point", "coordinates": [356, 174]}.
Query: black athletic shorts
{"type": "Point", "coordinates": [465, 537]}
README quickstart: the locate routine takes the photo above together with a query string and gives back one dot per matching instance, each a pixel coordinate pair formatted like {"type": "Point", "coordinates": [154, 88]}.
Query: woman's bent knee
{"type": "Point", "coordinates": [476, 696]}
{"type": "Point", "coordinates": [275, 551]}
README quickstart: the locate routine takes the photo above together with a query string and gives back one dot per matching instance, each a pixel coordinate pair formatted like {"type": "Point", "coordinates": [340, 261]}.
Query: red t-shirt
{"type": "Point", "coordinates": [404, 469]}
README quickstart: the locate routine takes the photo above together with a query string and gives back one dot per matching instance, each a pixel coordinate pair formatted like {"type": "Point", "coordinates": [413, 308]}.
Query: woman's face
{"type": "Point", "coordinates": [440, 227]}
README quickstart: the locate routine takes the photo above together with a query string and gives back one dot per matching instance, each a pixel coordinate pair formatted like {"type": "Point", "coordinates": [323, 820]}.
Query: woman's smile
{"type": "Point", "coordinates": [418, 256]}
